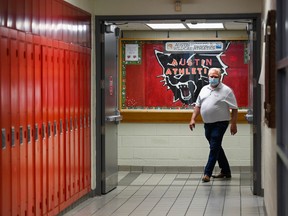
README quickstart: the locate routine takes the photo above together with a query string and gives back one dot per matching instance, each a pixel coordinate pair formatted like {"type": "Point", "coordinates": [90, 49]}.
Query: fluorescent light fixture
{"type": "Point", "coordinates": [162, 26]}
{"type": "Point", "coordinates": [205, 26]}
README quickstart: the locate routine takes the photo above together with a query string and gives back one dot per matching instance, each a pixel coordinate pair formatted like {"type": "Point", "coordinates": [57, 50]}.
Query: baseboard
{"type": "Point", "coordinates": [178, 169]}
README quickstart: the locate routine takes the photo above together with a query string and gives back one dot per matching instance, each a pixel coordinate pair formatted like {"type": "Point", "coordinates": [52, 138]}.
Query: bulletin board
{"type": "Point", "coordinates": [163, 76]}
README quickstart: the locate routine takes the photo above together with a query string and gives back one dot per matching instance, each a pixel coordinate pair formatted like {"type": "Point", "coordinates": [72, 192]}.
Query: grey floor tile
{"type": "Point", "coordinates": [174, 193]}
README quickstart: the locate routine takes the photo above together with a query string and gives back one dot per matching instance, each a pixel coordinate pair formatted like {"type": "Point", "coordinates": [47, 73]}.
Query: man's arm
{"type": "Point", "coordinates": [233, 127]}
{"type": "Point", "coordinates": [196, 112]}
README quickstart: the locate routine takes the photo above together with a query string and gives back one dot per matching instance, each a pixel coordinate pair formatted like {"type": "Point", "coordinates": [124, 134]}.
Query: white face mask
{"type": "Point", "coordinates": [214, 81]}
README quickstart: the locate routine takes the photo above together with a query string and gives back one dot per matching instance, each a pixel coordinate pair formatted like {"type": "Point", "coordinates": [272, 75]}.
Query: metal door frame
{"type": "Point", "coordinates": [99, 44]}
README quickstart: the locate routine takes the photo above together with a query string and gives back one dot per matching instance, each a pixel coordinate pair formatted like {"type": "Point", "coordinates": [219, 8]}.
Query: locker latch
{"type": "Point", "coordinates": [3, 132]}
{"type": "Point", "coordinates": [28, 133]}
{"type": "Point", "coordinates": [21, 135]}
{"type": "Point", "coordinates": [36, 132]}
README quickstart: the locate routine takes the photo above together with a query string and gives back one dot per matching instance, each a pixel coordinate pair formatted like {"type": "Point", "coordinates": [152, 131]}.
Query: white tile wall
{"type": "Point", "coordinates": [175, 145]}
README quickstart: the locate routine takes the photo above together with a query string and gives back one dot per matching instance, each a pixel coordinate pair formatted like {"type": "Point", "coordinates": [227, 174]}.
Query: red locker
{"type": "Point", "coordinates": [57, 17]}
{"type": "Point", "coordinates": [3, 11]}
{"type": "Point", "coordinates": [38, 171]}
{"type": "Point", "coordinates": [35, 17]}
{"type": "Point", "coordinates": [11, 14]}
{"type": "Point", "coordinates": [88, 105]}
{"type": "Point", "coordinates": [42, 17]}
{"type": "Point", "coordinates": [31, 122]}
{"type": "Point", "coordinates": [81, 130]}
{"type": "Point", "coordinates": [61, 123]}
{"type": "Point", "coordinates": [56, 151]}
{"type": "Point", "coordinates": [48, 18]}
{"type": "Point", "coordinates": [45, 129]}
{"type": "Point", "coordinates": [76, 120]}
{"type": "Point", "coordinates": [50, 126]}
{"type": "Point", "coordinates": [67, 127]}
{"type": "Point", "coordinates": [20, 15]}
{"type": "Point", "coordinates": [28, 16]}
{"type": "Point", "coordinates": [15, 150]}
{"type": "Point", "coordinates": [5, 123]}
{"type": "Point", "coordinates": [25, 130]}
{"type": "Point", "coordinates": [72, 119]}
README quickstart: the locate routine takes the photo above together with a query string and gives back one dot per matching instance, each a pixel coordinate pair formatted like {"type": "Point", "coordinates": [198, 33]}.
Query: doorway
{"type": "Point", "coordinates": [124, 21]}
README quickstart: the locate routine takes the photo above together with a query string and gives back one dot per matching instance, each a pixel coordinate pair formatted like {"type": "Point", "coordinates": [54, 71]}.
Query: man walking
{"type": "Point", "coordinates": [214, 103]}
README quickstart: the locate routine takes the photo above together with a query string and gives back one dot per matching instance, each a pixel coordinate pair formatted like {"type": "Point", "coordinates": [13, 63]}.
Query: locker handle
{"type": "Point", "coordinates": [36, 132]}
{"type": "Point", "coordinates": [43, 131]}
{"type": "Point", "coordinates": [55, 128]}
{"type": "Point", "coordinates": [66, 121]}
{"type": "Point", "coordinates": [71, 124]}
{"type": "Point", "coordinates": [49, 129]}
{"type": "Point", "coordinates": [21, 135]}
{"type": "Point", "coordinates": [28, 133]}
{"type": "Point", "coordinates": [12, 136]}
{"type": "Point", "coordinates": [3, 132]}
{"type": "Point", "coordinates": [61, 126]}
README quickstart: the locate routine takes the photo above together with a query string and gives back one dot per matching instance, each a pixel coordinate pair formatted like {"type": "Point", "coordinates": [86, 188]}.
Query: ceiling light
{"type": "Point", "coordinates": [163, 26]}
{"type": "Point", "coordinates": [205, 26]}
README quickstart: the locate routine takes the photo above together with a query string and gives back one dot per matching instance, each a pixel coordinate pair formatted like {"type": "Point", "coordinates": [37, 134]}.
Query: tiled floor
{"type": "Point", "coordinates": [174, 194]}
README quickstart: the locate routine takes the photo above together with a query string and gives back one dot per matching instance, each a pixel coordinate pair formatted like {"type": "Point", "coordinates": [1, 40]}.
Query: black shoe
{"type": "Point", "coordinates": [222, 175]}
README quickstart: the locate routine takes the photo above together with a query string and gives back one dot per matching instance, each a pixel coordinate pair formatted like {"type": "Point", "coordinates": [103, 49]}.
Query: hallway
{"type": "Point", "coordinates": [174, 194]}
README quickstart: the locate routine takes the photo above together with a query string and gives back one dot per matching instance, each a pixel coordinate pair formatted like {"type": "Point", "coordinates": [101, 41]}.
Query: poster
{"type": "Point", "coordinates": [172, 79]}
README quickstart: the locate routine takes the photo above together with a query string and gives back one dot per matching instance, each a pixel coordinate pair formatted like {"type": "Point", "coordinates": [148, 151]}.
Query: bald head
{"type": "Point", "coordinates": [214, 71]}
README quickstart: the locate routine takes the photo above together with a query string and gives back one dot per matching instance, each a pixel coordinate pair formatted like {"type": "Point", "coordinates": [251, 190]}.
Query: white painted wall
{"type": "Point", "coordinates": [175, 145]}
{"type": "Point", "coordinates": [148, 7]}
{"type": "Point", "coordinates": [269, 162]}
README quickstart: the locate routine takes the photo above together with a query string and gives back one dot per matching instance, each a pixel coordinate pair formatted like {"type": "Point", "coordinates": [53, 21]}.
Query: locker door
{"type": "Point", "coordinates": [81, 131]}
{"type": "Point", "coordinates": [45, 129]}
{"type": "Point", "coordinates": [15, 151]}
{"type": "Point", "coordinates": [39, 205]}
{"type": "Point", "coordinates": [88, 71]}
{"type": "Point", "coordinates": [67, 127]}
{"type": "Point", "coordinates": [31, 122]}
{"type": "Point", "coordinates": [5, 123]}
{"type": "Point", "coordinates": [50, 135]}
{"type": "Point", "coordinates": [76, 121]}
{"type": "Point", "coordinates": [25, 130]}
{"type": "Point", "coordinates": [61, 125]}
{"type": "Point", "coordinates": [35, 16]}
{"type": "Point", "coordinates": [56, 151]}
{"type": "Point", "coordinates": [85, 111]}
{"type": "Point", "coordinates": [72, 118]}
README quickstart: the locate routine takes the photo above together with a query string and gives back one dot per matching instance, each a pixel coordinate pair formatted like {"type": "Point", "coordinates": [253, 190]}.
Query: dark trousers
{"type": "Point", "coordinates": [214, 133]}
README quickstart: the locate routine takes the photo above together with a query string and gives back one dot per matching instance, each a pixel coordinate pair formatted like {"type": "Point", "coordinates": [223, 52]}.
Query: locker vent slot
{"type": "Point", "coordinates": [76, 124]}
{"type": "Point", "coordinates": [12, 136]}
{"type": "Point", "coordinates": [28, 133]}
{"type": "Point", "coordinates": [81, 122]}
{"type": "Point", "coordinates": [84, 122]}
{"type": "Point", "coordinates": [55, 128]}
{"type": "Point", "coordinates": [21, 135]}
{"type": "Point", "coordinates": [36, 132]}
{"type": "Point", "coordinates": [3, 138]}
{"type": "Point", "coordinates": [61, 126]}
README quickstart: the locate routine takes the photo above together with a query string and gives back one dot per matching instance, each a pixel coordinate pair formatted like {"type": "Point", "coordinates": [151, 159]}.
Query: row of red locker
{"type": "Point", "coordinates": [56, 19]}
{"type": "Point", "coordinates": [45, 124]}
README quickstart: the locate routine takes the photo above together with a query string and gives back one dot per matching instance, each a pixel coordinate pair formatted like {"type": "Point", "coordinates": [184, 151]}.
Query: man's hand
{"type": "Point", "coordinates": [192, 124]}
{"type": "Point", "coordinates": [233, 129]}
